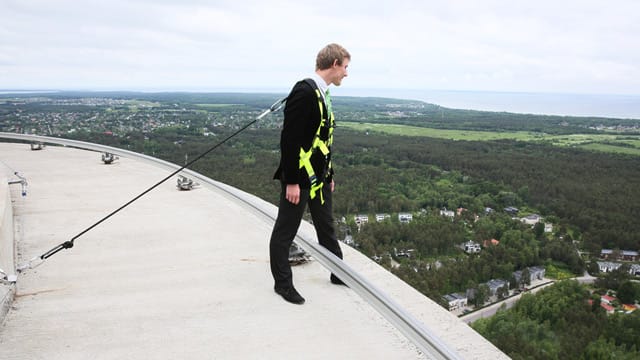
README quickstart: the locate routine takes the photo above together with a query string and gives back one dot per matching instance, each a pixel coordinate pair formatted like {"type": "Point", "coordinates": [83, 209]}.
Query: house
{"type": "Point", "coordinates": [629, 255]}
{"type": "Point", "coordinates": [513, 211]}
{"type": "Point", "coordinates": [456, 301]}
{"type": "Point", "coordinates": [495, 284]}
{"type": "Point", "coordinates": [361, 219]}
{"type": "Point", "coordinates": [518, 276]}
{"type": "Point", "coordinates": [447, 213]}
{"type": "Point", "coordinates": [531, 219]}
{"type": "Point", "coordinates": [535, 273]}
{"type": "Point", "coordinates": [472, 247]}
{"type": "Point", "coordinates": [405, 218]}
{"type": "Point", "coordinates": [382, 217]}
{"type": "Point", "coordinates": [607, 266]}
{"type": "Point", "coordinates": [629, 308]}
{"type": "Point", "coordinates": [403, 252]}
{"type": "Point", "coordinates": [606, 299]}
{"type": "Point", "coordinates": [610, 309]}
{"type": "Point", "coordinates": [625, 255]}
{"type": "Point", "coordinates": [548, 227]}
{"type": "Point", "coordinates": [605, 253]}
{"type": "Point", "coordinates": [460, 210]}
{"type": "Point", "coordinates": [634, 269]}
{"type": "Point", "coordinates": [493, 242]}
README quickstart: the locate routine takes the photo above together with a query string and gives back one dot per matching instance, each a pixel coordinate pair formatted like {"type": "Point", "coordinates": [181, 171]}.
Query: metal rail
{"type": "Point", "coordinates": [424, 339]}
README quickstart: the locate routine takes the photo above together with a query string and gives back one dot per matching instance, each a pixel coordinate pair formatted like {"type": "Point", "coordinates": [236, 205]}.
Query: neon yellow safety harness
{"type": "Point", "coordinates": [321, 145]}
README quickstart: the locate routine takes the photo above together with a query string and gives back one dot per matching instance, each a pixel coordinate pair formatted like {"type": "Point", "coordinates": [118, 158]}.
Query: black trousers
{"type": "Point", "coordinates": [286, 228]}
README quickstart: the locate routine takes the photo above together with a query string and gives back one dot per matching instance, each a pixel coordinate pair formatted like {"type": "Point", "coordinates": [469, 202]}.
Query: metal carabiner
{"type": "Point", "coordinates": [278, 105]}
{"type": "Point", "coordinates": [275, 107]}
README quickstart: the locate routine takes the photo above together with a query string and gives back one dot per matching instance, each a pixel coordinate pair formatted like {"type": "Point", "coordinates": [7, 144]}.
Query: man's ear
{"type": "Point", "coordinates": [335, 63]}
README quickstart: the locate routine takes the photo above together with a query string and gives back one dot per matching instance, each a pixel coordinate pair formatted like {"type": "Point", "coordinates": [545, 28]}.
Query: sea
{"type": "Point", "coordinates": [563, 104]}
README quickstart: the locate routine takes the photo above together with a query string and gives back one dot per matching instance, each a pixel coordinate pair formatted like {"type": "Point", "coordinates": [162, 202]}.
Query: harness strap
{"type": "Point", "coordinates": [317, 145]}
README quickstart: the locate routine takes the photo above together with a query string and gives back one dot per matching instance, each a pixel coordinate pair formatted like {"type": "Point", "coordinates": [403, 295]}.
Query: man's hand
{"type": "Point", "coordinates": [333, 185]}
{"type": "Point", "coordinates": [293, 193]}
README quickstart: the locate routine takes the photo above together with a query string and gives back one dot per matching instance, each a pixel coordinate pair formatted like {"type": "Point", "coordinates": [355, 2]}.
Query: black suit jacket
{"type": "Point", "coordinates": [301, 122]}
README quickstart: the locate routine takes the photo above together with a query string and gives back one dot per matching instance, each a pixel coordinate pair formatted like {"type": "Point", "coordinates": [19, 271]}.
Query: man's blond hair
{"type": "Point", "coordinates": [329, 54]}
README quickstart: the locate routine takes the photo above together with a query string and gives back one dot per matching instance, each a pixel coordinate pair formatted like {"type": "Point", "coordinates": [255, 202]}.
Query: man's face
{"type": "Point", "coordinates": [339, 71]}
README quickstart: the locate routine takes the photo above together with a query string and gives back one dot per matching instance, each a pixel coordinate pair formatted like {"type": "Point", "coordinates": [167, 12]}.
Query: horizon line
{"type": "Point", "coordinates": [5, 91]}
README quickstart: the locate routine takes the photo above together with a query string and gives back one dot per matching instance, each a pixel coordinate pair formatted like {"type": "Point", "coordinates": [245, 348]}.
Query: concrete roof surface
{"type": "Point", "coordinates": [180, 274]}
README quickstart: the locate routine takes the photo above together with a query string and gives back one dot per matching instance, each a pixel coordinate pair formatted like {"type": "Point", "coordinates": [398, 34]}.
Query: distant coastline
{"type": "Point", "coordinates": [589, 105]}
{"type": "Point", "coordinates": [562, 104]}
{"type": "Point", "coordinates": [9, 92]}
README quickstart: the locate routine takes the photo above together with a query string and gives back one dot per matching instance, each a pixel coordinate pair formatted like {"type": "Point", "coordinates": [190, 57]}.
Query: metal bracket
{"type": "Point", "coordinates": [37, 145]}
{"type": "Point", "coordinates": [8, 279]}
{"type": "Point", "coordinates": [31, 264]}
{"type": "Point", "coordinates": [22, 181]}
{"type": "Point", "coordinates": [184, 183]}
{"type": "Point", "coordinates": [109, 158]}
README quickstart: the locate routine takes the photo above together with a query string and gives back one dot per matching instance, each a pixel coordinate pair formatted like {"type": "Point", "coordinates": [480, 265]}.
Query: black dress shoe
{"type": "Point", "coordinates": [335, 280]}
{"type": "Point", "coordinates": [290, 294]}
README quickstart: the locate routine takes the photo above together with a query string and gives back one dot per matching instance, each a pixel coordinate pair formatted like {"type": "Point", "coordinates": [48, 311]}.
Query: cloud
{"type": "Point", "coordinates": [570, 46]}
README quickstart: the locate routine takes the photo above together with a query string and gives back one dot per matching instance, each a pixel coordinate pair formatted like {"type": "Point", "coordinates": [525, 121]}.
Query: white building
{"type": "Point", "coordinates": [405, 217]}
{"type": "Point", "coordinates": [535, 273]}
{"type": "Point", "coordinates": [531, 219]}
{"type": "Point", "coordinates": [361, 219]}
{"type": "Point", "coordinates": [471, 247]}
{"type": "Point", "coordinates": [495, 284]}
{"type": "Point", "coordinates": [608, 266]}
{"type": "Point", "coordinates": [447, 213]}
{"type": "Point", "coordinates": [456, 301]}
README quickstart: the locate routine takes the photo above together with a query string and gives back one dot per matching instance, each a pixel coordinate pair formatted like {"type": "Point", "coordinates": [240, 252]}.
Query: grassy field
{"type": "Point", "coordinates": [628, 144]}
{"type": "Point", "coordinates": [215, 105]}
{"type": "Point", "coordinates": [611, 148]}
{"type": "Point", "coordinates": [406, 130]}
{"type": "Point", "coordinates": [137, 105]}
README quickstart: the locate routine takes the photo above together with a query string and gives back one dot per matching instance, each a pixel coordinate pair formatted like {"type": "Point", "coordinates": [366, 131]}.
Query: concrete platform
{"type": "Point", "coordinates": [180, 274]}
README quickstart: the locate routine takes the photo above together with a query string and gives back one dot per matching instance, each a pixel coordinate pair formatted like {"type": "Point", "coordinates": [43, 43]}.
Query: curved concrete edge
{"type": "Point", "coordinates": [7, 249]}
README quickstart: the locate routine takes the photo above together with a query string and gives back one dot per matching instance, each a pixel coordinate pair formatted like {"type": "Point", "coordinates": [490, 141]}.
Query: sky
{"type": "Point", "coordinates": [571, 46]}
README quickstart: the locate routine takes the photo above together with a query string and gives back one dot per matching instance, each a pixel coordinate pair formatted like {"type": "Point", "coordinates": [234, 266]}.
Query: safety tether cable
{"type": "Point", "coordinates": [69, 244]}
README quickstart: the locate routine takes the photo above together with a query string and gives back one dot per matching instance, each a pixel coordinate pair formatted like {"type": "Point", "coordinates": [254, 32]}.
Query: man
{"type": "Point", "coordinates": [305, 170]}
